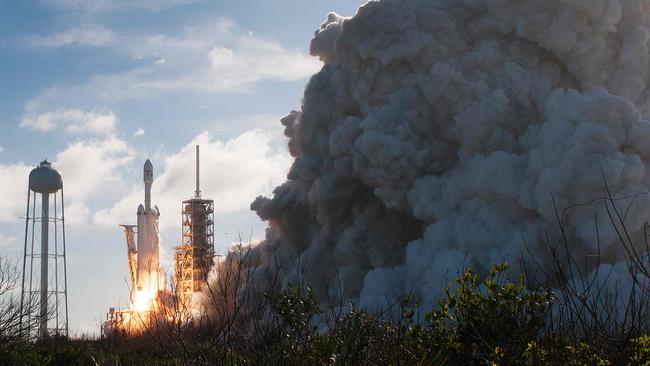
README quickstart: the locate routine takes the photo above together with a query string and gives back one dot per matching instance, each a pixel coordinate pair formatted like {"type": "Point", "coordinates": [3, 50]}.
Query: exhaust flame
{"type": "Point", "coordinates": [145, 299]}
{"type": "Point", "coordinates": [147, 307]}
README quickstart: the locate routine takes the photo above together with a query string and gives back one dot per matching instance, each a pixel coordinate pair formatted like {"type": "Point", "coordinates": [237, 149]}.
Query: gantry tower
{"type": "Point", "coordinates": [194, 257]}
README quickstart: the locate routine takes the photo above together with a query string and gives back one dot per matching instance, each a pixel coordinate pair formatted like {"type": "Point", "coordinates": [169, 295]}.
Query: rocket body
{"type": "Point", "coordinates": [148, 272]}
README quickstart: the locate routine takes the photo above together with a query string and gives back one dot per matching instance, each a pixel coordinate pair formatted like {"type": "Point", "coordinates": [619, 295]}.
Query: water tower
{"type": "Point", "coordinates": [44, 300]}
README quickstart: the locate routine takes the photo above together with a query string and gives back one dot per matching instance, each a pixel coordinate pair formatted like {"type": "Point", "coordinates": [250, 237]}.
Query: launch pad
{"type": "Point", "coordinates": [193, 259]}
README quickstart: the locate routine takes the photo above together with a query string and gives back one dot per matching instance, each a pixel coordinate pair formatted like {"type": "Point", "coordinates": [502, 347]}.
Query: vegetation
{"type": "Point", "coordinates": [479, 322]}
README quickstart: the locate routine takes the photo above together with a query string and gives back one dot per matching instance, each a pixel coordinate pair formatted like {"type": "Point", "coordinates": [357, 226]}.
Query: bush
{"type": "Point", "coordinates": [489, 321]}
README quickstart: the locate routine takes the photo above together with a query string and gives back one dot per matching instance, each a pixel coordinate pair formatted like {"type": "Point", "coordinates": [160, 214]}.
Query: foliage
{"type": "Point", "coordinates": [489, 321]}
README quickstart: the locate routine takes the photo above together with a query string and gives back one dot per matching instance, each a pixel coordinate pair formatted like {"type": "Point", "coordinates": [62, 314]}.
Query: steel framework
{"type": "Point", "coordinates": [44, 297]}
{"type": "Point", "coordinates": [194, 257]}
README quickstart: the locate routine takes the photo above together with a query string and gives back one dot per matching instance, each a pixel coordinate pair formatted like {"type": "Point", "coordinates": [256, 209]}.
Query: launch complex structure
{"type": "Point", "coordinates": [194, 257]}
{"type": "Point", "coordinates": [193, 260]}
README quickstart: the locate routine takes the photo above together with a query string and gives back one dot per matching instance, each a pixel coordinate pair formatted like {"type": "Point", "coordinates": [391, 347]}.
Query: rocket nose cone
{"type": "Point", "coordinates": [148, 171]}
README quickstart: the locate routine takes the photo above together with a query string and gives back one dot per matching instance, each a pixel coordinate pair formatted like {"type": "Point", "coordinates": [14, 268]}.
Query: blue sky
{"type": "Point", "coordinates": [98, 86]}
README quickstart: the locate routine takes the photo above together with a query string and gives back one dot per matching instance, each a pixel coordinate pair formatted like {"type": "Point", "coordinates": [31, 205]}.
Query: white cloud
{"type": "Point", "coordinates": [233, 173]}
{"type": "Point", "coordinates": [215, 57]}
{"type": "Point", "coordinates": [97, 6]}
{"type": "Point", "coordinates": [86, 35]}
{"type": "Point", "coordinates": [219, 57]}
{"type": "Point", "coordinates": [237, 125]}
{"type": "Point", "coordinates": [13, 191]}
{"type": "Point", "coordinates": [2, 149]}
{"type": "Point", "coordinates": [91, 168]}
{"type": "Point", "coordinates": [139, 132]}
{"type": "Point", "coordinates": [75, 121]}
{"type": "Point", "coordinates": [7, 241]}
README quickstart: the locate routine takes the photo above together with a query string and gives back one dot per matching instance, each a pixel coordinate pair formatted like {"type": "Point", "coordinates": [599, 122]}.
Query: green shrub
{"type": "Point", "coordinates": [489, 321]}
{"type": "Point", "coordinates": [492, 321]}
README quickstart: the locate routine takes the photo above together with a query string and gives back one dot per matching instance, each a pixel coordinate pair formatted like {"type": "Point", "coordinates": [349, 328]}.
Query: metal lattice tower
{"type": "Point", "coordinates": [44, 299]}
{"type": "Point", "coordinates": [194, 257]}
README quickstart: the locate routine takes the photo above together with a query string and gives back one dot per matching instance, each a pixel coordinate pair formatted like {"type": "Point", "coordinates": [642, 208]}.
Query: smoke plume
{"type": "Point", "coordinates": [445, 133]}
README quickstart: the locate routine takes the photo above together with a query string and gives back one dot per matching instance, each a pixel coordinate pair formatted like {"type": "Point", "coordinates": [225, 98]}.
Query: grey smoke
{"type": "Point", "coordinates": [438, 132]}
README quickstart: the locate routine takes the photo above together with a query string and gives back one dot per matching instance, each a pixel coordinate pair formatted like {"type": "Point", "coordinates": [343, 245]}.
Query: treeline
{"type": "Point", "coordinates": [487, 321]}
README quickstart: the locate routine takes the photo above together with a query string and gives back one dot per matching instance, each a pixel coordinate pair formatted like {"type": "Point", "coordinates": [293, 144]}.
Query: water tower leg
{"type": "Point", "coordinates": [44, 264]}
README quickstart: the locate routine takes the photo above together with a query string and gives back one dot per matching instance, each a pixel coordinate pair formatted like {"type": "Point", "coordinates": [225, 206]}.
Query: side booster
{"type": "Point", "coordinates": [148, 260]}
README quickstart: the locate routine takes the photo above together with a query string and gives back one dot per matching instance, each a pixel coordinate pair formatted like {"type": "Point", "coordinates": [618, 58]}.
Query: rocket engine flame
{"type": "Point", "coordinates": [145, 298]}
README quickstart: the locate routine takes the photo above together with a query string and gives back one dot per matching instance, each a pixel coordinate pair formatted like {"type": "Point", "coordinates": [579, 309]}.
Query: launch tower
{"type": "Point", "coordinates": [194, 257]}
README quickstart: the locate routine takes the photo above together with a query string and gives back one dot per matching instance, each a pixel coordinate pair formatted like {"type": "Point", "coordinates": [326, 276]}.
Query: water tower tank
{"type": "Point", "coordinates": [45, 179]}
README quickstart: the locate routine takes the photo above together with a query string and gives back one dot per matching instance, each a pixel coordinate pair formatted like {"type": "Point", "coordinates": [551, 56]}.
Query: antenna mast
{"type": "Point", "coordinates": [197, 193]}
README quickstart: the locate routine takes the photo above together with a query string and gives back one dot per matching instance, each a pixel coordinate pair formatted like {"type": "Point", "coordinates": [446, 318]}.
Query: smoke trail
{"type": "Point", "coordinates": [438, 132]}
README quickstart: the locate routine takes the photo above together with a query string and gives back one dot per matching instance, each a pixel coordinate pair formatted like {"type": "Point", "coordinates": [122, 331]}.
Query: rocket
{"type": "Point", "coordinates": [148, 260]}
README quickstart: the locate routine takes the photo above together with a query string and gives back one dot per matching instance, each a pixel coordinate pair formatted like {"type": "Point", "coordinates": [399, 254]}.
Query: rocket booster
{"type": "Point", "coordinates": [148, 260]}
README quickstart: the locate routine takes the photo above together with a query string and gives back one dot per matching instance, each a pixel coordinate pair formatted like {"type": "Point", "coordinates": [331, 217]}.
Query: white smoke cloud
{"type": "Point", "coordinates": [324, 39]}
{"type": "Point", "coordinates": [440, 134]}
